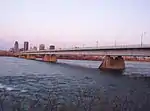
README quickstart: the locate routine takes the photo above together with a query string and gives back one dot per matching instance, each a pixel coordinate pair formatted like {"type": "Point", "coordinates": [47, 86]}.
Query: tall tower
{"type": "Point", "coordinates": [26, 46]}
{"type": "Point", "coordinates": [16, 46]}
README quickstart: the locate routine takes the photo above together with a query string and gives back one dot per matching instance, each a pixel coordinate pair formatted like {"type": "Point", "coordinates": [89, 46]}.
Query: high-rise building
{"type": "Point", "coordinates": [51, 47]}
{"type": "Point", "coordinates": [26, 46]}
{"type": "Point", "coordinates": [16, 46]}
{"type": "Point", "coordinates": [41, 47]}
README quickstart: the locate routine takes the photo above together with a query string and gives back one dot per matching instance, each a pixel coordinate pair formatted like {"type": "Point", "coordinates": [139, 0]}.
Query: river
{"type": "Point", "coordinates": [72, 85]}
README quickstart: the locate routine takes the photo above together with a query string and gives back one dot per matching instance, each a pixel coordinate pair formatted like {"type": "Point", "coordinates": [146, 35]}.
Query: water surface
{"type": "Point", "coordinates": [69, 79]}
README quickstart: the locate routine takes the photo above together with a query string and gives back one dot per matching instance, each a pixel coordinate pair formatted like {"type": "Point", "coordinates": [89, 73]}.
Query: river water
{"type": "Point", "coordinates": [72, 85]}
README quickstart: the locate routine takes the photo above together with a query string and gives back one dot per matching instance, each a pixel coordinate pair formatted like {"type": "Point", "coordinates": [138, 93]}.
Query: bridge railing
{"type": "Point", "coordinates": [100, 47]}
{"type": "Point", "coordinates": [109, 47]}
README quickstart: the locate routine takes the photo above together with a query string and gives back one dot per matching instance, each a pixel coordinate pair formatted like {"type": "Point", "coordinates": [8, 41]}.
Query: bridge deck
{"type": "Point", "coordinates": [116, 50]}
{"type": "Point", "coordinates": [102, 48]}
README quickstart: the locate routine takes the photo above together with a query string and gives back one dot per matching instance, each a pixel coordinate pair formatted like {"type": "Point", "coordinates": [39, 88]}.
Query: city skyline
{"type": "Point", "coordinates": [70, 23]}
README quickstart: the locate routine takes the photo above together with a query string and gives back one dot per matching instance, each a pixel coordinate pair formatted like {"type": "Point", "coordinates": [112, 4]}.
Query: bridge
{"type": "Point", "coordinates": [112, 54]}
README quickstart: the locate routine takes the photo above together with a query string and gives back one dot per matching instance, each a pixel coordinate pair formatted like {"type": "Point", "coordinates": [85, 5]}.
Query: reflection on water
{"type": "Point", "coordinates": [75, 85]}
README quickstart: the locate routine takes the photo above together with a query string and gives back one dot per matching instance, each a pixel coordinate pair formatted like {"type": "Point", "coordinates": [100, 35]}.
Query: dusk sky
{"type": "Point", "coordinates": [68, 23]}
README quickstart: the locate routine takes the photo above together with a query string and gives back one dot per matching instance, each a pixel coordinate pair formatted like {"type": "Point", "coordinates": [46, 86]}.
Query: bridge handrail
{"type": "Point", "coordinates": [107, 47]}
{"type": "Point", "coordinates": [100, 47]}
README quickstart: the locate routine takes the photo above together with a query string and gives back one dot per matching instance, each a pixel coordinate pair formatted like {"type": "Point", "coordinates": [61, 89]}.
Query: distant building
{"type": "Point", "coordinates": [26, 46]}
{"type": "Point", "coordinates": [51, 47]}
{"type": "Point", "coordinates": [41, 47]}
{"type": "Point", "coordinates": [11, 50]}
{"type": "Point", "coordinates": [35, 48]}
{"type": "Point", "coordinates": [21, 49]}
{"type": "Point", "coordinates": [16, 46]}
{"type": "Point", "coordinates": [31, 48]}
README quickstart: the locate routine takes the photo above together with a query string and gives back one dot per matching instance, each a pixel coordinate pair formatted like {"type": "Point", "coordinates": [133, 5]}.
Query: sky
{"type": "Point", "coordinates": [69, 23]}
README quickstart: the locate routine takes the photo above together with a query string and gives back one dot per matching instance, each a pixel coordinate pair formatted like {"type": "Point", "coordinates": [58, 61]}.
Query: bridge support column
{"type": "Point", "coordinates": [32, 57]}
{"type": "Point", "coordinates": [111, 63]}
{"type": "Point", "coordinates": [50, 58]}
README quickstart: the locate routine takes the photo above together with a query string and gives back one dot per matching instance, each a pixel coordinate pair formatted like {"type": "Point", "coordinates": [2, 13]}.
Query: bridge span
{"type": "Point", "coordinates": [112, 55]}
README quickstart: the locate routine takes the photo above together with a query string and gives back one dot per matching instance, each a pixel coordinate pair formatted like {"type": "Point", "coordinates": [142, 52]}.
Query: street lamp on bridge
{"type": "Point", "coordinates": [96, 43]}
{"type": "Point", "coordinates": [142, 38]}
{"type": "Point", "coordinates": [83, 45]}
{"type": "Point", "coordinates": [115, 43]}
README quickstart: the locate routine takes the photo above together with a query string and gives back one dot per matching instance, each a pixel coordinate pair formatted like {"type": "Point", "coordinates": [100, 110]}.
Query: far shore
{"type": "Point", "coordinates": [87, 57]}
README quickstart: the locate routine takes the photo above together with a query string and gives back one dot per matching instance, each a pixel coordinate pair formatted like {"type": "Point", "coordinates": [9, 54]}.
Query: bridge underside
{"type": "Point", "coordinates": [46, 57]}
{"type": "Point", "coordinates": [108, 62]}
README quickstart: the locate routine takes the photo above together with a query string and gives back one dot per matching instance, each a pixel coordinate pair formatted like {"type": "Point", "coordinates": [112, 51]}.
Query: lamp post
{"type": "Point", "coordinates": [96, 43]}
{"type": "Point", "coordinates": [83, 45]}
{"type": "Point", "coordinates": [142, 38]}
{"type": "Point", "coordinates": [115, 43]}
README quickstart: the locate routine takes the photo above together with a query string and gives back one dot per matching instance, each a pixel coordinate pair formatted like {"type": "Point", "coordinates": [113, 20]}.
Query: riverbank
{"type": "Point", "coordinates": [91, 58]}
{"type": "Point", "coordinates": [6, 53]}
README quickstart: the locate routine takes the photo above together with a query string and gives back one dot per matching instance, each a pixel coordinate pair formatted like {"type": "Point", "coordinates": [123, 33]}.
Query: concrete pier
{"type": "Point", "coordinates": [111, 63]}
{"type": "Point", "coordinates": [50, 58]}
{"type": "Point", "coordinates": [32, 57]}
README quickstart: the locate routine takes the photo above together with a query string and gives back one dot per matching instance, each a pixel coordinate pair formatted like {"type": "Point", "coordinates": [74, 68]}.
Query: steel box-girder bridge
{"type": "Point", "coordinates": [115, 63]}
{"type": "Point", "coordinates": [145, 52]}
